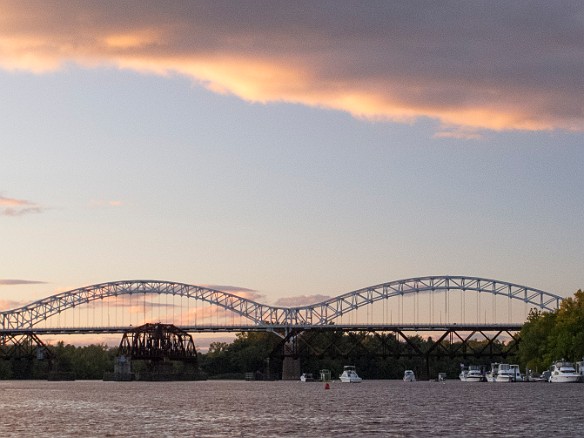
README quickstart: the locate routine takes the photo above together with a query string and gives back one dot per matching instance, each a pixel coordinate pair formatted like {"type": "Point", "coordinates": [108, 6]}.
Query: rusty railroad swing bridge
{"type": "Point", "coordinates": [160, 347]}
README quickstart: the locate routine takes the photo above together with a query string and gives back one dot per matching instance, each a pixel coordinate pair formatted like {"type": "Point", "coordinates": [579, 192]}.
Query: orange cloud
{"type": "Point", "coordinates": [12, 202]}
{"type": "Point", "coordinates": [202, 340]}
{"type": "Point", "coordinates": [172, 311]}
{"type": "Point", "coordinates": [131, 40]}
{"type": "Point", "coordinates": [102, 203]}
{"type": "Point", "coordinates": [514, 68]}
{"type": "Point", "coordinates": [17, 207]}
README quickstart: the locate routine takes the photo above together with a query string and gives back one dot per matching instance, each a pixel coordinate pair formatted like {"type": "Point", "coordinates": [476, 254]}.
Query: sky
{"type": "Point", "coordinates": [290, 151]}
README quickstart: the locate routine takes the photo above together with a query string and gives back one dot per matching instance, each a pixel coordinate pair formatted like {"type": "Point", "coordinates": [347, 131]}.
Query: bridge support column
{"type": "Point", "coordinates": [22, 349]}
{"type": "Point", "coordinates": [290, 368]}
{"type": "Point", "coordinates": [291, 361]}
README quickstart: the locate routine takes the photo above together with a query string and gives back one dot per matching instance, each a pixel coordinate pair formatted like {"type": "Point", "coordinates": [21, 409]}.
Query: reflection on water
{"type": "Point", "coordinates": [248, 409]}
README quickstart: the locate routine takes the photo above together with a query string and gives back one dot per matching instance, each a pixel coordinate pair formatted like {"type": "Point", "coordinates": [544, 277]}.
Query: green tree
{"type": "Point", "coordinates": [567, 336]}
{"type": "Point", "coordinates": [534, 349]}
{"type": "Point", "coordinates": [250, 350]}
{"type": "Point", "coordinates": [5, 370]}
{"type": "Point", "coordinates": [217, 362]}
{"type": "Point", "coordinates": [549, 336]}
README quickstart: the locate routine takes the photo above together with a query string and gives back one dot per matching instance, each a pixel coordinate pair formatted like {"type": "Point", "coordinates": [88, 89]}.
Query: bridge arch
{"type": "Point", "coordinates": [323, 313]}
{"type": "Point", "coordinates": [28, 316]}
{"type": "Point", "coordinates": [328, 311]}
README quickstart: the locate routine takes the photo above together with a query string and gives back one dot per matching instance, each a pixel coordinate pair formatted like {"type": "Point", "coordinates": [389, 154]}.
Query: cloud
{"type": "Point", "coordinates": [202, 312]}
{"type": "Point", "coordinates": [9, 282]}
{"type": "Point", "coordinates": [501, 66]}
{"type": "Point", "coordinates": [458, 133]}
{"type": "Point", "coordinates": [202, 340]}
{"type": "Point", "coordinates": [242, 292]}
{"type": "Point", "coordinates": [301, 300]}
{"type": "Point", "coordinates": [226, 288]}
{"type": "Point", "coordinates": [17, 207]}
{"type": "Point", "coordinates": [14, 304]}
{"type": "Point", "coordinates": [100, 203]}
{"type": "Point", "coordinates": [111, 340]}
{"type": "Point", "coordinates": [11, 304]}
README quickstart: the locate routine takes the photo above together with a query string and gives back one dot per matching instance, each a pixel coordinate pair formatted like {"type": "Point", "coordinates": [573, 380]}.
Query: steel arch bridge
{"type": "Point", "coordinates": [325, 313]}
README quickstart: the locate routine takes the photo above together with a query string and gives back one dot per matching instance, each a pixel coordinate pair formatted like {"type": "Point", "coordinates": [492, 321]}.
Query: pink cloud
{"type": "Point", "coordinates": [11, 304]}
{"type": "Point", "coordinates": [301, 300]}
{"type": "Point", "coordinates": [103, 203]}
{"type": "Point", "coordinates": [242, 292]}
{"type": "Point", "coordinates": [202, 340]}
{"type": "Point", "coordinates": [163, 308]}
{"type": "Point", "coordinates": [17, 207]}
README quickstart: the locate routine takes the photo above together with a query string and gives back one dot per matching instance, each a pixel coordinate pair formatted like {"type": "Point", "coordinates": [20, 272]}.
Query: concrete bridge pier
{"type": "Point", "coordinates": [290, 368]}
{"type": "Point", "coordinates": [291, 362]}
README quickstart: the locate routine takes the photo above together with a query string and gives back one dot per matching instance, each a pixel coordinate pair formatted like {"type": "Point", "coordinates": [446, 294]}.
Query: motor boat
{"type": "Point", "coordinates": [517, 376]}
{"type": "Point", "coordinates": [535, 377]}
{"type": "Point", "coordinates": [472, 374]}
{"type": "Point", "coordinates": [350, 375]}
{"type": "Point", "coordinates": [306, 377]}
{"type": "Point", "coordinates": [325, 375]}
{"type": "Point", "coordinates": [580, 369]}
{"type": "Point", "coordinates": [563, 372]}
{"type": "Point", "coordinates": [491, 376]}
{"type": "Point", "coordinates": [409, 376]}
{"type": "Point", "coordinates": [508, 373]}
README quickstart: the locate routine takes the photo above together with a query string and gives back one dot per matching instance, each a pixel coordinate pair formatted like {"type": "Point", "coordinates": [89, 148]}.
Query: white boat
{"type": "Point", "coordinates": [306, 377]}
{"type": "Point", "coordinates": [325, 375]}
{"type": "Point", "coordinates": [508, 373]}
{"type": "Point", "coordinates": [350, 375]}
{"type": "Point", "coordinates": [491, 376]}
{"type": "Point", "coordinates": [535, 377]}
{"type": "Point", "coordinates": [409, 376]}
{"type": "Point", "coordinates": [518, 377]}
{"type": "Point", "coordinates": [580, 369]}
{"type": "Point", "coordinates": [472, 374]}
{"type": "Point", "coordinates": [564, 372]}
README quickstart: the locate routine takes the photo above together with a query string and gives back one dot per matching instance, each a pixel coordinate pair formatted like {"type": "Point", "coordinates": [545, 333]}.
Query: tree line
{"type": "Point", "coordinates": [255, 353]}
{"type": "Point", "coordinates": [550, 336]}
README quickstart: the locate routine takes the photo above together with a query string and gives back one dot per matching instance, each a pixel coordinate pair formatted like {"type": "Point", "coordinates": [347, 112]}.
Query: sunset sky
{"type": "Point", "coordinates": [290, 149]}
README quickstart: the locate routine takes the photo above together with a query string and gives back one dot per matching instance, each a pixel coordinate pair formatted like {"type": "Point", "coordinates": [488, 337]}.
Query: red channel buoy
{"type": "Point", "coordinates": [327, 386]}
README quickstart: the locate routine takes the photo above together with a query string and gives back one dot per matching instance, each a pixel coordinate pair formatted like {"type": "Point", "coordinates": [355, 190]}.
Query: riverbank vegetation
{"type": "Point", "coordinates": [550, 336]}
{"type": "Point", "coordinates": [259, 354]}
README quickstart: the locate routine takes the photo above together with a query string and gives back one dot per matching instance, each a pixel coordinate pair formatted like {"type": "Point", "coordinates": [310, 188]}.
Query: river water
{"type": "Point", "coordinates": [289, 409]}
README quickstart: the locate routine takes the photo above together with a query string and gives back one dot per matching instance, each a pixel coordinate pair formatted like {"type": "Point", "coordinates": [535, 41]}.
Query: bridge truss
{"type": "Point", "coordinates": [428, 343]}
{"type": "Point", "coordinates": [325, 313]}
{"type": "Point", "coordinates": [156, 342]}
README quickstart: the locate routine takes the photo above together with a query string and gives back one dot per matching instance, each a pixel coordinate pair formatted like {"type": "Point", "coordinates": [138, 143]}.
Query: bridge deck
{"type": "Point", "coordinates": [279, 328]}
